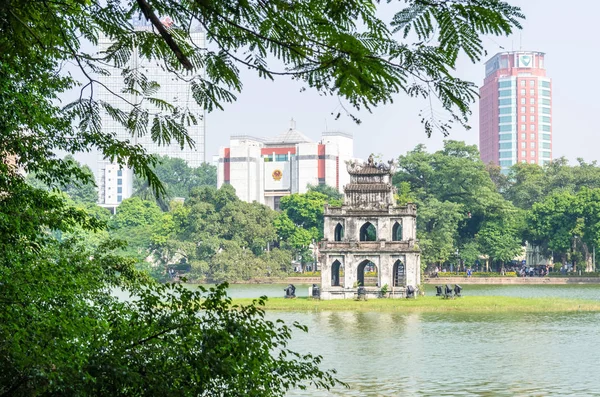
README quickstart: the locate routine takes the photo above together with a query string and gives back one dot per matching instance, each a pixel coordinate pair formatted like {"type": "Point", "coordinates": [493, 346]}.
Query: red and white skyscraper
{"type": "Point", "coordinates": [515, 110]}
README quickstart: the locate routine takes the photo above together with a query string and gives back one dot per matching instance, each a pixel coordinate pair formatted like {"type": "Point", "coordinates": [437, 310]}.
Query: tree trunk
{"type": "Point", "coordinates": [589, 265]}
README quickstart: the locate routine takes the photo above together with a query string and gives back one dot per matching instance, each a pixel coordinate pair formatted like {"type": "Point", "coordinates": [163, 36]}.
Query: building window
{"type": "Point", "coordinates": [522, 101]}
{"type": "Point", "coordinates": [506, 145]}
{"type": "Point", "coordinates": [532, 83]}
{"type": "Point", "coordinates": [546, 110]}
{"type": "Point", "coordinates": [281, 157]}
{"type": "Point", "coordinates": [523, 91]}
{"type": "Point", "coordinates": [119, 199]}
{"type": "Point", "coordinates": [505, 155]}
{"type": "Point", "coordinates": [276, 203]}
{"type": "Point", "coordinates": [523, 136]}
{"type": "Point", "coordinates": [545, 92]}
{"type": "Point", "coordinates": [505, 111]}
{"type": "Point", "coordinates": [546, 154]}
{"type": "Point", "coordinates": [532, 101]}
{"type": "Point", "coordinates": [545, 119]}
{"type": "Point", "coordinates": [546, 84]}
{"type": "Point", "coordinates": [268, 159]}
{"type": "Point", "coordinates": [505, 84]}
{"type": "Point", "coordinates": [545, 145]}
{"type": "Point", "coordinates": [546, 101]}
{"type": "Point", "coordinates": [506, 128]}
{"type": "Point", "coordinates": [532, 145]}
{"type": "Point", "coordinates": [522, 109]}
{"type": "Point", "coordinates": [505, 137]}
{"type": "Point", "coordinates": [532, 136]}
{"type": "Point", "coordinates": [523, 153]}
{"type": "Point", "coordinates": [523, 118]}
{"type": "Point", "coordinates": [523, 127]}
{"type": "Point", "coordinates": [523, 145]}
{"type": "Point", "coordinates": [546, 137]}
{"type": "Point", "coordinates": [505, 102]}
{"type": "Point", "coordinates": [119, 182]}
{"type": "Point", "coordinates": [532, 92]}
{"type": "Point", "coordinates": [505, 119]}
{"type": "Point", "coordinates": [546, 128]}
{"type": "Point", "coordinates": [532, 119]}
{"type": "Point", "coordinates": [505, 163]}
{"type": "Point", "coordinates": [119, 189]}
{"type": "Point", "coordinates": [523, 83]}
{"type": "Point", "coordinates": [532, 109]}
{"type": "Point", "coordinates": [532, 153]}
{"type": "Point", "coordinates": [120, 173]}
{"type": "Point", "coordinates": [532, 127]}
{"type": "Point", "coordinates": [504, 93]}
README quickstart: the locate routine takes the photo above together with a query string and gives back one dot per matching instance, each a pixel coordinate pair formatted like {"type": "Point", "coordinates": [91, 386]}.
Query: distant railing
{"type": "Point", "coordinates": [373, 245]}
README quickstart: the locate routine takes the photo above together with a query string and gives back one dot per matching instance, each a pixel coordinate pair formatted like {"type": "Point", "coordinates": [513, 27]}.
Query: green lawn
{"type": "Point", "coordinates": [434, 304]}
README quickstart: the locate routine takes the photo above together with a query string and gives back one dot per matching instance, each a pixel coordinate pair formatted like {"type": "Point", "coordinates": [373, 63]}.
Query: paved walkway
{"type": "Point", "coordinates": [513, 280]}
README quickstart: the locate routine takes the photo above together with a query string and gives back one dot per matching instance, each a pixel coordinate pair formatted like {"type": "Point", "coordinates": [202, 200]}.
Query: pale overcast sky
{"type": "Point", "coordinates": [564, 31]}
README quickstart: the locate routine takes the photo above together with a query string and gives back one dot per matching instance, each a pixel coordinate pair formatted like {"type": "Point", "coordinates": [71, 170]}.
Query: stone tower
{"type": "Point", "coordinates": [369, 241]}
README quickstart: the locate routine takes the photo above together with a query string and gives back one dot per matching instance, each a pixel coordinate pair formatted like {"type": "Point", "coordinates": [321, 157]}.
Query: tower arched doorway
{"type": "Point", "coordinates": [337, 274]}
{"type": "Point", "coordinates": [367, 274]}
{"type": "Point", "coordinates": [399, 274]}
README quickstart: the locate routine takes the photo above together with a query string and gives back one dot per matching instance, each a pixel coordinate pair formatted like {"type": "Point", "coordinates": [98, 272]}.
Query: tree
{"type": "Point", "coordinates": [62, 331]}
{"type": "Point", "coordinates": [455, 196]}
{"type": "Point", "coordinates": [177, 177]}
{"type": "Point", "coordinates": [78, 191]}
{"type": "Point", "coordinates": [329, 191]}
{"type": "Point", "coordinates": [136, 222]}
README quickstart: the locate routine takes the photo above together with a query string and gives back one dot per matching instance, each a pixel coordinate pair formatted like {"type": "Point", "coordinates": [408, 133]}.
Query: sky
{"type": "Point", "coordinates": [564, 31]}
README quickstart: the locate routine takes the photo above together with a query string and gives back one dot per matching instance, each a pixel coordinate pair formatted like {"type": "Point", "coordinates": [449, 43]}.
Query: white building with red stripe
{"type": "Point", "coordinates": [266, 169]}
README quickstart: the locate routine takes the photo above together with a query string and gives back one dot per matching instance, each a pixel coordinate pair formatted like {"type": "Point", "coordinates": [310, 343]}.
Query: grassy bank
{"type": "Point", "coordinates": [472, 304]}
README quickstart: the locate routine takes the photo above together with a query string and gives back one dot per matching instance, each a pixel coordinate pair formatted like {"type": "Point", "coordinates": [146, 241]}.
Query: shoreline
{"type": "Point", "coordinates": [432, 304]}
{"type": "Point", "coordinates": [446, 280]}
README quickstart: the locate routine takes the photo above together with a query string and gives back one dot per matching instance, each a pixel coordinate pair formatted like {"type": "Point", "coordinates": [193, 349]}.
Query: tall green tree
{"type": "Point", "coordinates": [62, 331]}
{"type": "Point", "coordinates": [177, 177]}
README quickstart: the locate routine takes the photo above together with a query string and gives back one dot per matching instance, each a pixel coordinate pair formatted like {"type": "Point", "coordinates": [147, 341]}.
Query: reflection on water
{"type": "Point", "coordinates": [452, 354]}
{"type": "Point", "coordinates": [391, 354]}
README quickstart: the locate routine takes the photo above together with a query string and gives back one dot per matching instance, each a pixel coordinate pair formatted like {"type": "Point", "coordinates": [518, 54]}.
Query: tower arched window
{"type": "Point", "coordinates": [368, 232]}
{"type": "Point", "coordinates": [397, 232]}
{"type": "Point", "coordinates": [338, 234]}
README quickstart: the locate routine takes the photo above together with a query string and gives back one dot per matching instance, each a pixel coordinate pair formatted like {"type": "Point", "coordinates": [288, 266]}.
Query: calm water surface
{"type": "Point", "coordinates": [449, 354]}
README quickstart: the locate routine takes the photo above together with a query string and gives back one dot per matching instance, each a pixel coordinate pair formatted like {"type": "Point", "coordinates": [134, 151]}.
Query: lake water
{"type": "Point", "coordinates": [450, 354]}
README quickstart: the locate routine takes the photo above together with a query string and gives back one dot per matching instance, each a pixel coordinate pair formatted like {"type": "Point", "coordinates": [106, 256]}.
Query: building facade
{"type": "Point", "coordinates": [266, 169]}
{"type": "Point", "coordinates": [369, 233]}
{"type": "Point", "coordinates": [515, 110]}
{"type": "Point", "coordinates": [172, 90]}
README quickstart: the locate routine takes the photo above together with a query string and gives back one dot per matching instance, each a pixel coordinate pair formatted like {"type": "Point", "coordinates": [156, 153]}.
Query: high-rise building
{"type": "Point", "coordinates": [266, 169]}
{"type": "Point", "coordinates": [173, 90]}
{"type": "Point", "coordinates": [515, 110]}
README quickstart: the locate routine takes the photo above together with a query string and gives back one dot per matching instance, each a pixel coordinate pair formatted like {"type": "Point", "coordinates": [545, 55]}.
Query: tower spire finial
{"type": "Point", "coordinates": [292, 124]}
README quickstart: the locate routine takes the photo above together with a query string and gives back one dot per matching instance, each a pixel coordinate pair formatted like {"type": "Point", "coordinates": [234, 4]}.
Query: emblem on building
{"type": "Point", "coordinates": [277, 175]}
